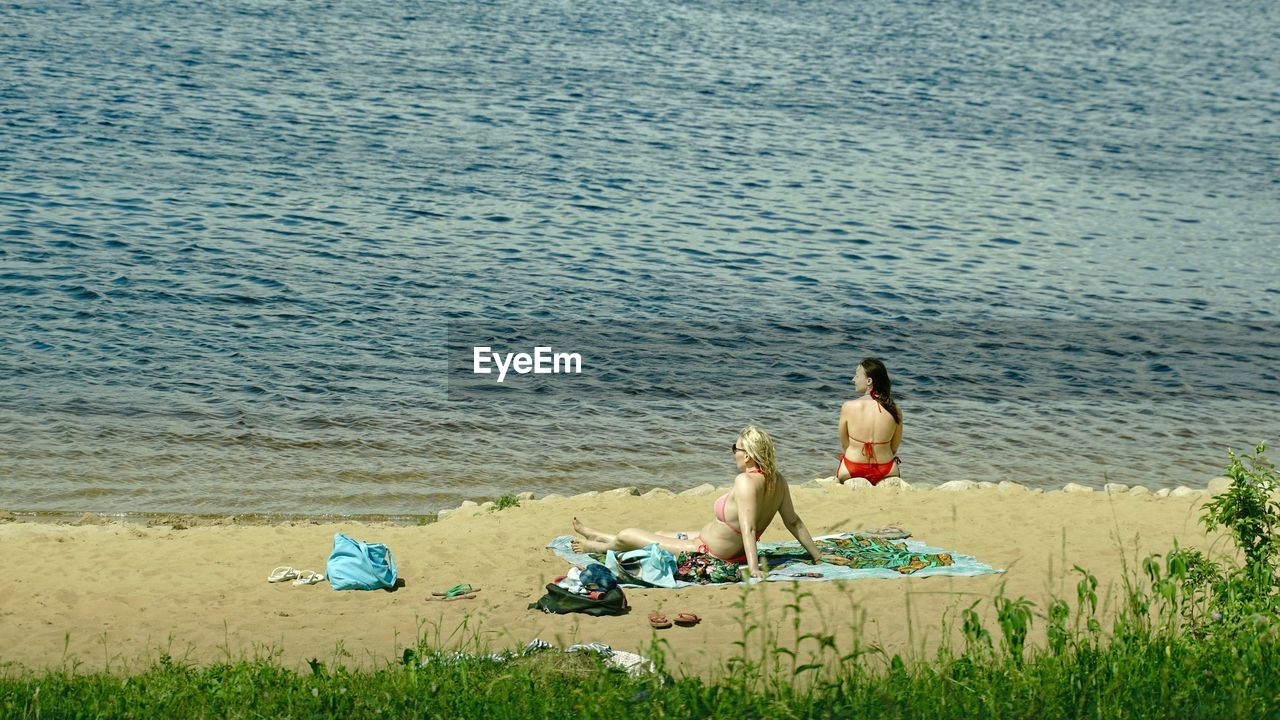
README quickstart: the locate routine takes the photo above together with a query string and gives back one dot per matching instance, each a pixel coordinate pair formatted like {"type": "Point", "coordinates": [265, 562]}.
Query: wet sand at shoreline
{"type": "Point", "coordinates": [122, 594]}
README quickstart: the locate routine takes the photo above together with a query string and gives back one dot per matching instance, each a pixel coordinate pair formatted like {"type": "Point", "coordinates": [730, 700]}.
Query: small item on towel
{"type": "Point", "coordinates": [805, 574]}
{"type": "Point", "coordinates": [890, 532]}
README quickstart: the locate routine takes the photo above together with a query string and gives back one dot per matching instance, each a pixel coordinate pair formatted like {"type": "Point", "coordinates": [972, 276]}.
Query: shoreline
{"type": "Point", "coordinates": [188, 519]}
{"type": "Point", "coordinates": [115, 593]}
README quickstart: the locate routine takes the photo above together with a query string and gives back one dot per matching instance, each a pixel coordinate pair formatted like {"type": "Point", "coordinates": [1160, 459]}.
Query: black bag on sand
{"type": "Point", "coordinates": [560, 601]}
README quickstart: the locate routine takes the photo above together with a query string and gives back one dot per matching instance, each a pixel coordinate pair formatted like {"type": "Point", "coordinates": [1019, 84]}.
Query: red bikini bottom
{"type": "Point", "coordinates": [873, 472]}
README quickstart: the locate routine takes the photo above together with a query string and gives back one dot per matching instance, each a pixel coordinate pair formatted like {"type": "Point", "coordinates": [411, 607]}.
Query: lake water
{"type": "Point", "coordinates": [237, 240]}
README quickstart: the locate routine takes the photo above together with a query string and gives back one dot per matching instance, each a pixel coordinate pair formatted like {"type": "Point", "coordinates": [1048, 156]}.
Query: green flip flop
{"type": "Point", "coordinates": [457, 591]}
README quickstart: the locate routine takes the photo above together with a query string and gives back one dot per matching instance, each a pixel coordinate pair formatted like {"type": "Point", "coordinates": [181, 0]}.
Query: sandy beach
{"type": "Point", "coordinates": [121, 594]}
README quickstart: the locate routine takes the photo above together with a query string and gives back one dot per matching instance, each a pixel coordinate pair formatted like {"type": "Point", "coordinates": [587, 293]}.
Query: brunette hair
{"type": "Point", "coordinates": [881, 386]}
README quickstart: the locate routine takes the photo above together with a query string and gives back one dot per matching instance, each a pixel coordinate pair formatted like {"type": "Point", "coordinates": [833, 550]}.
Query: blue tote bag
{"type": "Point", "coordinates": [355, 565]}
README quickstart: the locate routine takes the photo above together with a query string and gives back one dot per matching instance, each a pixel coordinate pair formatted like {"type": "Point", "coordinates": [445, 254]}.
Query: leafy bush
{"type": "Point", "coordinates": [1247, 510]}
{"type": "Point", "coordinates": [1230, 599]}
{"type": "Point", "coordinates": [506, 501]}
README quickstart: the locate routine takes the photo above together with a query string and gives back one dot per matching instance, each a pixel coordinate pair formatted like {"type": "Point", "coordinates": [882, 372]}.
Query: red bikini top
{"type": "Point", "coordinates": [868, 447]}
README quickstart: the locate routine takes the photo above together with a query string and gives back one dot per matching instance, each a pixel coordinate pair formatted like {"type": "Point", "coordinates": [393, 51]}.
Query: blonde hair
{"type": "Point", "coordinates": [758, 446]}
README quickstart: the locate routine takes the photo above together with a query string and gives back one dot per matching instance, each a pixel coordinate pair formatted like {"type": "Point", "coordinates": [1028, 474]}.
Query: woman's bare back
{"type": "Point", "coordinates": [865, 422]}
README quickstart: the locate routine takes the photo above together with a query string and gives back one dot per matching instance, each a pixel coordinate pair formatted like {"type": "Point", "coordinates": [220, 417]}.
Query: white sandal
{"type": "Point", "coordinates": [310, 577]}
{"type": "Point", "coordinates": [282, 573]}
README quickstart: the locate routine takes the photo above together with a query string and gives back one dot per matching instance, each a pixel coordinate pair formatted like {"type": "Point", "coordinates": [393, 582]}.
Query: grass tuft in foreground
{"type": "Point", "coordinates": [1136, 675]}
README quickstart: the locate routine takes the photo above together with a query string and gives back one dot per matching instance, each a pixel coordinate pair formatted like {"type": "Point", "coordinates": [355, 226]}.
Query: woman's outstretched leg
{"type": "Point", "coordinates": [591, 534]}
{"type": "Point", "coordinates": [634, 539]}
{"type": "Point", "coordinates": [629, 539]}
{"type": "Point", "coordinates": [587, 546]}
{"type": "Point", "coordinates": [595, 542]}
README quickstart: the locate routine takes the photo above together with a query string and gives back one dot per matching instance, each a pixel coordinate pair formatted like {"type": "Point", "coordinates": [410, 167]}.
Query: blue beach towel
{"type": "Point", "coordinates": [864, 556]}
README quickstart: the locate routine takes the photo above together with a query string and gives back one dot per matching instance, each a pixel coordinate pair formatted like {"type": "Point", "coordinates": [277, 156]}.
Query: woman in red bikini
{"type": "Point", "coordinates": [870, 427]}
{"type": "Point", "coordinates": [741, 515]}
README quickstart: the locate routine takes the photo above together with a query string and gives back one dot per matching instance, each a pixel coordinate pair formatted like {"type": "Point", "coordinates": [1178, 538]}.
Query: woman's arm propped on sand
{"type": "Point", "coordinates": [744, 493]}
{"type": "Point", "coordinates": [797, 527]}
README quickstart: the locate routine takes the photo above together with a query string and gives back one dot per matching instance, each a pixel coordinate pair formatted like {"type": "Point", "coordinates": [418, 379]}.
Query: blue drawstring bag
{"type": "Point", "coordinates": [597, 577]}
{"type": "Point", "coordinates": [355, 565]}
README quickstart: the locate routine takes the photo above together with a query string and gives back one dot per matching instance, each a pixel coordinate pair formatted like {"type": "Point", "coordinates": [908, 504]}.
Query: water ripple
{"type": "Point", "coordinates": [233, 238]}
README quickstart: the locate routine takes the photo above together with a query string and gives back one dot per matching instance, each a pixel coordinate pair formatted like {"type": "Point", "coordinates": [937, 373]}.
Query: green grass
{"type": "Point", "coordinates": [1133, 675]}
{"type": "Point", "coordinates": [1162, 656]}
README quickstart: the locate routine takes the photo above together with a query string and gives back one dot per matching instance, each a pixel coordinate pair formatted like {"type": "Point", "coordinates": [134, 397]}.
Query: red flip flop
{"type": "Point", "coordinates": [686, 619]}
{"type": "Point", "coordinates": [658, 621]}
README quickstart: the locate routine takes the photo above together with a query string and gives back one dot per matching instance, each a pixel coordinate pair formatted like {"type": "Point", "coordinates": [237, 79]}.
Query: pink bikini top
{"type": "Point", "coordinates": [724, 499]}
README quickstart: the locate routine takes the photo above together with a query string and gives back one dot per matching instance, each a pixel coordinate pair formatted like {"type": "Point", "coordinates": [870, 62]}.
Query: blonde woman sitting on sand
{"type": "Point", "coordinates": [870, 427]}
{"type": "Point", "coordinates": [741, 515]}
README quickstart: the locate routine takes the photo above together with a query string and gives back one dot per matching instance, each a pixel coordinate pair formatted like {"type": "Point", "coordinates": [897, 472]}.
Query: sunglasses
{"type": "Point", "coordinates": [737, 449]}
